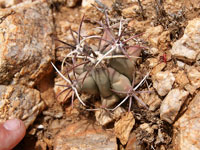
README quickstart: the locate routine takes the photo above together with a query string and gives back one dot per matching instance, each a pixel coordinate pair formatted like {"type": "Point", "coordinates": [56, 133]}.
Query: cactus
{"type": "Point", "coordinates": [108, 71]}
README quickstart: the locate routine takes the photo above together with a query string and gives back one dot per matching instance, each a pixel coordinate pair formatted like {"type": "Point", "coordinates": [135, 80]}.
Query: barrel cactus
{"type": "Point", "coordinates": [108, 70]}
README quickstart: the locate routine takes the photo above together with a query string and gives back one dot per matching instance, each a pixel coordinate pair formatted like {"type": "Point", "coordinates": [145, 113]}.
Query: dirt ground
{"type": "Point", "coordinates": [170, 16]}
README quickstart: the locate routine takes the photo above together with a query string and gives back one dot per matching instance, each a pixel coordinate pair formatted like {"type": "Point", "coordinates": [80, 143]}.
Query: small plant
{"type": "Point", "coordinates": [108, 70]}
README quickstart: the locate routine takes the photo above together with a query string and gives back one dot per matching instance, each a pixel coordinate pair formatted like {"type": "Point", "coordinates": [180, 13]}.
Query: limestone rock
{"type": "Point", "coordinates": [172, 104]}
{"type": "Point", "coordinates": [85, 136]}
{"type": "Point", "coordinates": [17, 101]}
{"type": "Point", "coordinates": [187, 128]}
{"type": "Point", "coordinates": [163, 81]}
{"type": "Point", "coordinates": [188, 47]}
{"type": "Point", "coordinates": [26, 43]}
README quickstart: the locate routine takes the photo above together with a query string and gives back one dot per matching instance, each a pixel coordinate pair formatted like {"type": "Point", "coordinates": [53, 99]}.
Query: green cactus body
{"type": "Point", "coordinates": [124, 66]}
{"type": "Point", "coordinates": [119, 83]}
{"type": "Point", "coordinates": [101, 78]}
{"type": "Point", "coordinates": [87, 85]}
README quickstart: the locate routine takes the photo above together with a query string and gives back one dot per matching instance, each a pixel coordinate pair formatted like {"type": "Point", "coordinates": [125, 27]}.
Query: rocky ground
{"type": "Point", "coordinates": [168, 33]}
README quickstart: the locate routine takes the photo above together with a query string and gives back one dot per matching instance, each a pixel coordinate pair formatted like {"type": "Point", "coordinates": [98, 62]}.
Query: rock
{"type": "Point", "coordinates": [194, 77]}
{"type": "Point", "coordinates": [152, 35]}
{"type": "Point", "coordinates": [17, 101]}
{"type": "Point", "coordinates": [180, 64]}
{"type": "Point", "coordinates": [190, 88]}
{"type": "Point", "coordinates": [163, 81]}
{"type": "Point", "coordinates": [104, 117]}
{"type": "Point", "coordinates": [188, 47]}
{"type": "Point", "coordinates": [158, 68]}
{"type": "Point", "coordinates": [151, 99]}
{"type": "Point", "coordinates": [26, 44]}
{"type": "Point", "coordinates": [164, 41]}
{"type": "Point", "coordinates": [85, 136]}
{"type": "Point", "coordinates": [71, 3]}
{"type": "Point", "coordinates": [124, 126]}
{"type": "Point", "coordinates": [9, 3]}
{"type": "Point", "coordinates": [187, 128]}
{"type": "Point", "coordinates": [181, 78]}
{"type": "Point", "coordinates": [172, 104]}
{"type": "Point", "coordinates": [152, 62]}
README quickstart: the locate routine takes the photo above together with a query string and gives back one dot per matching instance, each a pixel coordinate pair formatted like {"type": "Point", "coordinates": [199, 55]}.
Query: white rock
{"type": "Point", "coordinates": [172, 104]}
{"type": "Point", "coordinates": [9, 3]}
{"type": "Point", "coordinates": [180, 64]}
{"type": "Point", "coordinates": [188, 47]}
{"type": "Point", "coordinates": [163, 81]}
{"type": "Point", "coordinates": [187, 128]}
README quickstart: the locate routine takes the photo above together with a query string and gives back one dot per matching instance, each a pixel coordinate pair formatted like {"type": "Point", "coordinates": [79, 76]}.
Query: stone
{"type": "Point", "coordinates": [104, 117]}
{"type": "Point", "coordinates": [180, 64]}
{"type": "Point", "coordinates": [17, 101]}
{"type": "Point", "coordinates": [194, 77]}
{"type": "Point", "coordinates": [26, 43]}
{"type": "Point", "coordinates": [164, 41]}
{"type": "Point", "coordinates": [124, 126]}
{"type": "Point", "coordinates": [71, 3]}
{"type": "Point", "coordinates": [9, 3]}
{"type": "Point", "coordinates": [163, 81]}
{"type": "Point", "coordinates": [187, 127]}
{"type": "Point", "coordinates": [159, 67]}
{"type": "Point", "coordinates": [151, 99]}
{"type": "Point", "coordinates": [172, 104]}
{"type": "Point", "coordinates": [188, 47]}
{"type": "Point", "coordinates": [190, 88]}
{"type": "Point", "coordinates": [152, 62]}
{"type": "Point", "coordinates": [152, 35]}
{"type": "Point", "coordinates": [85, 136]}
{"type": "Point", "coordinates": [181, 78]}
